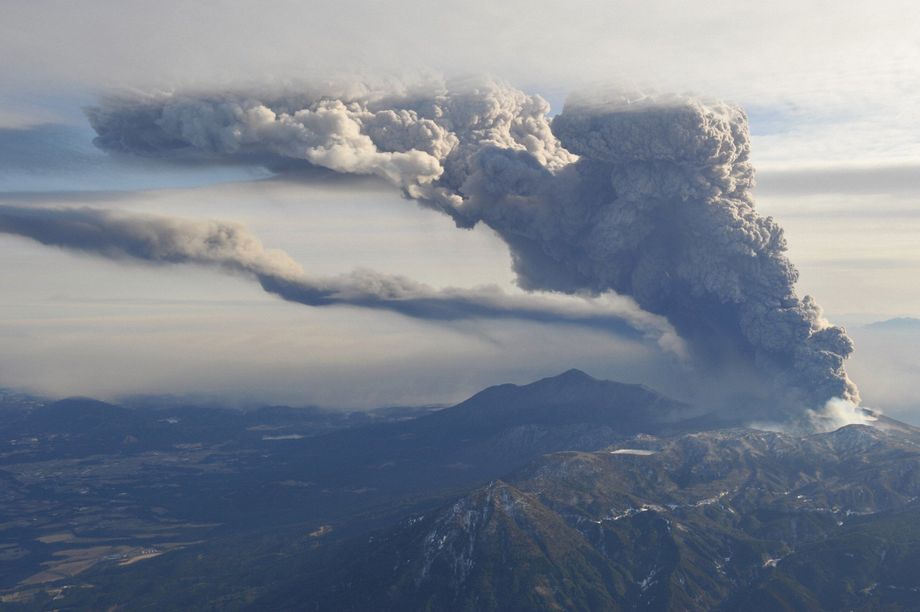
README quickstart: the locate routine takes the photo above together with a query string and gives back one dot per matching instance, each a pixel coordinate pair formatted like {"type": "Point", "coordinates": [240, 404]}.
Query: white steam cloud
{"type": "Point", "coordinates": [838, 413]}
{"type": "Point", "coordinates": [647, 197]}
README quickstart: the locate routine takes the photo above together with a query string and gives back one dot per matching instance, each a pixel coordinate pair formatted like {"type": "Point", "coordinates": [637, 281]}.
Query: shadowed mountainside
{"type": "Point", "coordinates": [731, 519]}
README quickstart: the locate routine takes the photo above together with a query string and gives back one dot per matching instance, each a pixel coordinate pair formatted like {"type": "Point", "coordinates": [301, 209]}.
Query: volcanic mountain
{"type": "Point", "coordinates": [567, 493]}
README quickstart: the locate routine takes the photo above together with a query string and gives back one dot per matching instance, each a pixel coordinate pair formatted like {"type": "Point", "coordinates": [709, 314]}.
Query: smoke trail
{"type": "Point", "coordinates": [228, 246]}
{"type": "Point", "coordinates": [649, 198]}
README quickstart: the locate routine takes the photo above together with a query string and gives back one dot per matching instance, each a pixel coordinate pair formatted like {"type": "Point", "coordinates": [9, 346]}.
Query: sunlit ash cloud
{"type": "Point", "coordinates": [648, 197]}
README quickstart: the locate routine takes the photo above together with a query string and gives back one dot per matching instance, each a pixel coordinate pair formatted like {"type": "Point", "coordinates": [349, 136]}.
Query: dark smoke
{"type": "Point", "coordinates": [650, 198]}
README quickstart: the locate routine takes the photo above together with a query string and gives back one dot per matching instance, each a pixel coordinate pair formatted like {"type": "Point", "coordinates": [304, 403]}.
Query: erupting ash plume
{"type": "Point", "coordinates": [649, 197]}
{"type": "Point", "coordinates": [230, 247]}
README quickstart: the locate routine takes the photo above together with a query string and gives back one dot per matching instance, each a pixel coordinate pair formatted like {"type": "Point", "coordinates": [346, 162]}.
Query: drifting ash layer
{"type": "Point", "coordinates": [232, 248]}
{"type": "Point", "coordinates": [649, 198]}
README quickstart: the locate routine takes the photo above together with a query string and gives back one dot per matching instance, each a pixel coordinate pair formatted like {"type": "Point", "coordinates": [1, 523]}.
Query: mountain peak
{"type": "Point", "coordinates": [572, 375]}
{"type": "Point", "coordinates": [571, 399]}
{"type": "Point", "coordinates": [578, 382]}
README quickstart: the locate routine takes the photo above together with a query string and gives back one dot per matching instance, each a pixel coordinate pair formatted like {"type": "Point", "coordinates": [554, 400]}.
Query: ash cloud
{"type": "Point", "coordinates": [158, 240]}
{"type": "Point", "coordinates": [647, 197]}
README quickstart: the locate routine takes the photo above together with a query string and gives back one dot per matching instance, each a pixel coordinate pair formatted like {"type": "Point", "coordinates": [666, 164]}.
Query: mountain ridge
{"type": "Point", "coordinates": [702, 521]}
{"type": "Point", "coordinates": [566, 493]}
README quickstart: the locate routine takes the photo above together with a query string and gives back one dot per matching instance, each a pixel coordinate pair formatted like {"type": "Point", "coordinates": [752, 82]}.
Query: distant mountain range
{"type": "Point", "coordinates": [570, 493]}
{"type": "Point", "coordinates": [899, 323]}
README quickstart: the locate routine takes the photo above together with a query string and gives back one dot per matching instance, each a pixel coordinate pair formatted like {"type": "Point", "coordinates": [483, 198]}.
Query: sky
{"type": "Point", "coordinates": [832, 93]}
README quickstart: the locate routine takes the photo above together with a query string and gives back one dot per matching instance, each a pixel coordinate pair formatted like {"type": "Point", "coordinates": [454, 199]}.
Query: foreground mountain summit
{"type": "Point", "coordinates": [569, 493]}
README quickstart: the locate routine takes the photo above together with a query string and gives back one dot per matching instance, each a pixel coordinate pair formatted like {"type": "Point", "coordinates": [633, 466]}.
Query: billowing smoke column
{"type": "Point", "coordinates": [162, 241]}
{"type": "Point", "coordinates": [648, 197]}
{"type": "Point", "coordinates": [675, 227]}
